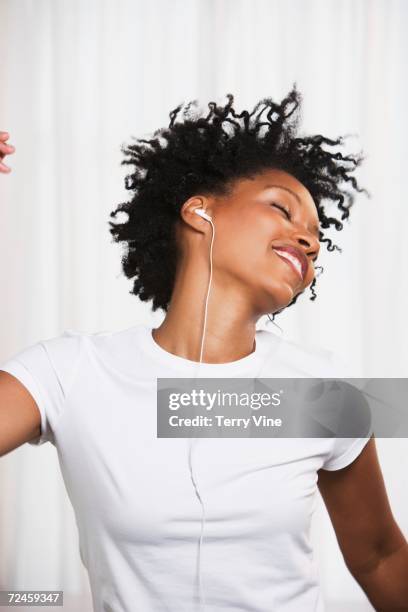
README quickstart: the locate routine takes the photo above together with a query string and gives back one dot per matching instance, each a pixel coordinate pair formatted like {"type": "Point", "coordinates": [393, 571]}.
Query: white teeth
{"type": "Point", "coordinates": [292, 259]}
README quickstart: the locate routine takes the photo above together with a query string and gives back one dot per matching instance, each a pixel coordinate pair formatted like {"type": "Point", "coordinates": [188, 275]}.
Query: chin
{"type": "Point", "coordinates": [282, 295]}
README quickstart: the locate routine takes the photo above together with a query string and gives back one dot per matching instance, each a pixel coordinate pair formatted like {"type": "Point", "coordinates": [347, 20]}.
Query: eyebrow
{"type": "Point", "coordinates": [314, 227]}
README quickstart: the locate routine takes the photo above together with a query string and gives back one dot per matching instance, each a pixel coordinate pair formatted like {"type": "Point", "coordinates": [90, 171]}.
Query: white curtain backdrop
{"type": "Point", "coordinates": [78, 78]}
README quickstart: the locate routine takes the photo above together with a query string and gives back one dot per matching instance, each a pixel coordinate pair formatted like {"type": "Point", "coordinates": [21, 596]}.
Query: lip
{"type": "Point", "coordinates": [295, 252]}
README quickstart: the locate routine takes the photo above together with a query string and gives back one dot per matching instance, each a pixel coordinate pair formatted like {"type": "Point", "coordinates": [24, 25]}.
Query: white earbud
{"type": "Point", "coordinates": [202, 214]}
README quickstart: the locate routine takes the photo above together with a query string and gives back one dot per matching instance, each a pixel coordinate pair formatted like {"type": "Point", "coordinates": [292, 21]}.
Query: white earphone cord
{"type": "Point", "coordinates": [200, 587]}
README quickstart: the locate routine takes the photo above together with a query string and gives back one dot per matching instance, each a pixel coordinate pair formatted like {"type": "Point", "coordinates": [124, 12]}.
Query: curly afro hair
{"type": "Point", "coordinates": [206, 155]}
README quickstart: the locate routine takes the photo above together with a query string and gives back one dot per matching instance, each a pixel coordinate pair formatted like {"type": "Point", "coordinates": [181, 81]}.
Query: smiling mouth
{"type": "Point", "coordinates": [292, 261]}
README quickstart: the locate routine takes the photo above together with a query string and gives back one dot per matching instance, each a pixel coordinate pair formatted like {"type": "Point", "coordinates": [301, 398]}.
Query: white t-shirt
{"type": "Point", "coordinates": [138, 514]}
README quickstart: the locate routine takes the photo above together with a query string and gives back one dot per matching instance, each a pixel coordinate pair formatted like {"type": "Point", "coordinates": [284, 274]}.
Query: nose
{"type": "Point", "coordinates": [309, 241]}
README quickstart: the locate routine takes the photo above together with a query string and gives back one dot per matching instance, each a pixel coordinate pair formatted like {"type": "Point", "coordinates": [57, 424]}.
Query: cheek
{"type": "Point", "coordinates": [242, 246]}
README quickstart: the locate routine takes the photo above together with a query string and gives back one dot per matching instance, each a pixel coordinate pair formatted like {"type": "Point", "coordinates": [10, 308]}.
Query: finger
{"type": "Point", "coordinates": [6, 148]}
{"type": "Point", "coordinates": [4, 136]}
{"type": "Point", "coordinates": [4, 168]}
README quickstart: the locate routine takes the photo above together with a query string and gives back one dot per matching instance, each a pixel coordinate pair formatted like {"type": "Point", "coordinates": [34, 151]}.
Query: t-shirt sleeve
{"type": "Point", "coordinates": [345, 450]}
{"type": "Point", "coordinates": [47, 369]}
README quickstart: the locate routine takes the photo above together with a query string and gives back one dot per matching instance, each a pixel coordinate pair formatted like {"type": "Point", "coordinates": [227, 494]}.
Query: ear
{"type": "Point", "coordinates": [188, 215]}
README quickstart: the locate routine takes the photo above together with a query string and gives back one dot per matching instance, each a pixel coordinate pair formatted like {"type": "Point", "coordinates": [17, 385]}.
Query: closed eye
{"type": "Point", "coordinates": [285, 210]}
{"type": "Point", "coordinates": [289, 216]}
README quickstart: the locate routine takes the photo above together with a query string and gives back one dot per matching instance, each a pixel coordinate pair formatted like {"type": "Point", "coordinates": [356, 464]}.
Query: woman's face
{"type": "Point", "coordinates": [262, 214]}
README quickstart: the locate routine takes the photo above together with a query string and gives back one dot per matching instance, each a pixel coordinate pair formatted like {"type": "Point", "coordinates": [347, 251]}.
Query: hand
{"type": "Point", "coordinates": [5, 149]}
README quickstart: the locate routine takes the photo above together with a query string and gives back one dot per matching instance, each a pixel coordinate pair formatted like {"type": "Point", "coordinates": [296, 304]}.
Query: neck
{"type": "Point", "coordinates": [230, 325]}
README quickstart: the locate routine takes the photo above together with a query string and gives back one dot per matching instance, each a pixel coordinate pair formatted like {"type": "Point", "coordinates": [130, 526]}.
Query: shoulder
{"type": "Point", "coordinates": [300, 358]}
{"type": "Point", "coordinates": [65, 353]}
{"type": "Point", "coordinates": [109, 340]}
{"type": "Point", "coordinates": [115, 351]}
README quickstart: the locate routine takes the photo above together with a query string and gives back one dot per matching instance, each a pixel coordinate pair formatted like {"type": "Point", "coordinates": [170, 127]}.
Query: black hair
{"type": "Point", "coordinates": [206, 155]}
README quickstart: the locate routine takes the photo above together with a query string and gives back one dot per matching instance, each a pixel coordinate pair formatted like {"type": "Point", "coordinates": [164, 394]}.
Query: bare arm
{"type": "Point", "coordinates": [373, 546]}
{"type": "Point", "coordinates": [20, 418]}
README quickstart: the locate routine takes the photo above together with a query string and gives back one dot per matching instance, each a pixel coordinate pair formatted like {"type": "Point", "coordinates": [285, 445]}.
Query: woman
{"type": "Point", "coordinates": [138, 503]}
